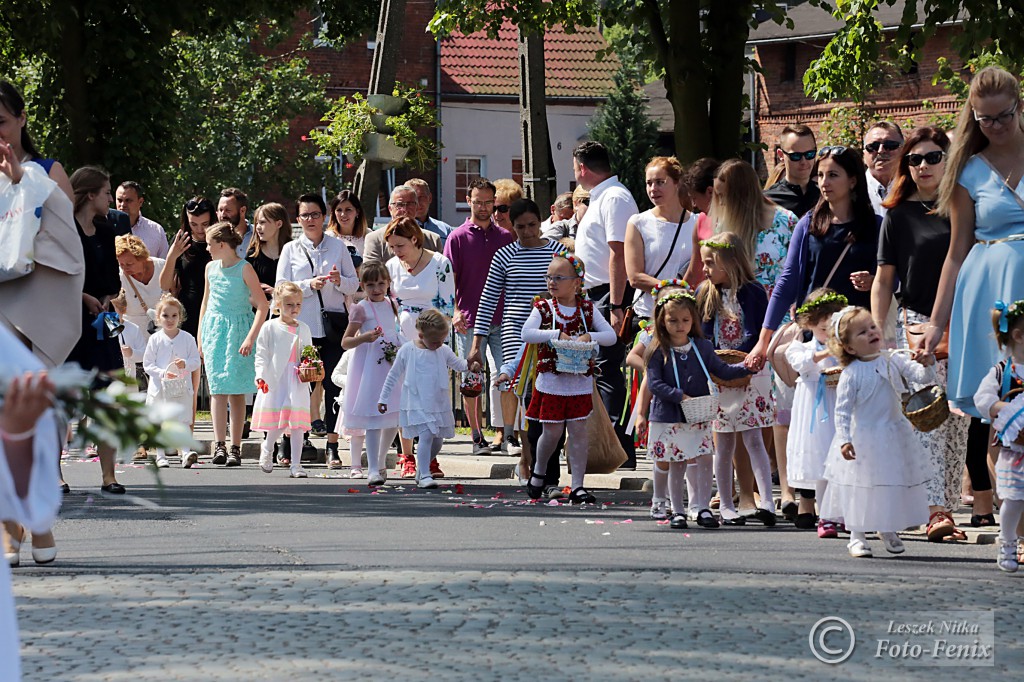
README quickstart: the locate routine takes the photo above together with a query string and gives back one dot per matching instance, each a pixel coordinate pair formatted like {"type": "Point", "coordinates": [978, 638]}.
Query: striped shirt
{"type": "Point", "coordinates": [518, 272]}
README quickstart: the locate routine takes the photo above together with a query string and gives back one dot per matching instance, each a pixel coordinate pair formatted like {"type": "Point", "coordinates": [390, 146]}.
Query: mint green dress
{"type": "Point", "coordinates": [227, 322]}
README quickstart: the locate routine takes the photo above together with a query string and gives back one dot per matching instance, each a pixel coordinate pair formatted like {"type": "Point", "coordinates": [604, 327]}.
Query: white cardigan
{"type": "Point", "coordinates": [273, 348]}
{"type": "Point", "coordinates": [162, 350]}
{"type": "Point", "coordinates": [294, 266]}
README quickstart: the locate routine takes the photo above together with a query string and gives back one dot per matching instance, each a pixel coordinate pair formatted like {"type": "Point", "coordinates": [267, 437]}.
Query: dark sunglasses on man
{"type": "Point", "coordinates": [887, 145]}
{"type": "Point", "coordinates": [932, 158]}
{"type": "Point", "coordinates": [801, 156]}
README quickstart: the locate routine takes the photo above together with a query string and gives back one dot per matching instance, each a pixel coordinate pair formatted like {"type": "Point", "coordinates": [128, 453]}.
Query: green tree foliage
{"type": "Point", "coordinates": [623, 126]}
{"type": "Point", "coordinates": [851, 66]}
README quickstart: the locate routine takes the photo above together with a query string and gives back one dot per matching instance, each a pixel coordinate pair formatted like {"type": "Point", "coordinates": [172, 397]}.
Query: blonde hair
{"type": "Point", "coordinates": [740, 207]}
{"type": "Point", "coordinates": [283, 290]}
{"type": "Point", "coordinates": [738, 266]}
{"type": "Point", "coordinates": [432, 322]}
{"type": "Point", "coordinates": [169, 299]}
{"type": "Point", "coordinates": [120, 302]}
{"type": "Point", "coordinates": [968, 139]}
{"type": "Point", "coordinates": [224, 232]}
{"type": "Point", "coordinates": [129, 243]}
{"type": "Point", "coordinates": [510, 188]}
{"type": "Point", "coordinates": [839, 335]}
{"type": "Point", "coordinates": [673, 169]}
{"type": "Point", "coordinates": [580, 193]}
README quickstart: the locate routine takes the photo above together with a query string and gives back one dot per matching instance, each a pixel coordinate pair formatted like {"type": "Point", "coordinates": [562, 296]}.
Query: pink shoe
{"type": "Point", "coordinates": [827, 529]}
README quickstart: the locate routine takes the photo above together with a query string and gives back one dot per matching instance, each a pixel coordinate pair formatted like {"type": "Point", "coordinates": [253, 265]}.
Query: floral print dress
{"type": "Point", "coordinates": [772, 246]}
{"type": "Point", "coordinates": [432, 287]}
{"type": "Point", "coordinates": [752, 406]}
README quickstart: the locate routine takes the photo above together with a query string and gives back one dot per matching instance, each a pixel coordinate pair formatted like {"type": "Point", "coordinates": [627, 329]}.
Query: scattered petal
{"type": "Point", "coordinates": [353, 490]}
{"type": "Point", "coordinates": [664, 522]}
{"type": "Point", "coordinates": [605, 533]}
{"type": "Point", "coordinates": [628, 521]}
{"type": "Point", "coordinates": [543, 523]}
{"type": "Point", "coordinates": [554, 503]}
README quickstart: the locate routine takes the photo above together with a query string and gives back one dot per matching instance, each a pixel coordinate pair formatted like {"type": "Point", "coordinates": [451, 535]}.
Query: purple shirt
{"type": "Point", "coordinates": [471, 249]}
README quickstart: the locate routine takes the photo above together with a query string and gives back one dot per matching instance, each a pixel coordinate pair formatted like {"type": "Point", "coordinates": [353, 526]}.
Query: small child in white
{"type": "Point", "coordinates": [131, 338]}
{"type": "Point", "coordinates": [876, 466]}
{"type": "Point", "coordinates": [422, 367]}
{"type": "Point", "coordinates": [282, 403]}
{"type": "Point", "coordinates": [1001, 396]}
{"type": "Point", "coordinates": [170, 358]}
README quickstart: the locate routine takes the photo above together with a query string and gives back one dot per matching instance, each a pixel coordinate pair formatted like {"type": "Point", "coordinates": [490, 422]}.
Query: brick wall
{"type": "Point", "coordinates": [781, 102]}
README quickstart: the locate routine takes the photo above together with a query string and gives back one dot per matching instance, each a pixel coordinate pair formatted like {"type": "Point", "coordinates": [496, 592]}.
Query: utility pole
{"type": "Point", "coordinates": [382, 82]}
{"type": "Point", "coordinates": [538, 164]}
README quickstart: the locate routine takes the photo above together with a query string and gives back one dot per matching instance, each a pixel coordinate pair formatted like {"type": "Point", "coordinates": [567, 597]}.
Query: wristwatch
{"type": "Point", "coordinates": [620, 306]}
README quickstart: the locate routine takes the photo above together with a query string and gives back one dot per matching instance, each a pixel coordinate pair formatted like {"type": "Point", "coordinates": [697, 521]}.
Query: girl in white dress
{"type": "Point", "coordinates": [1001, 397]}
{"type": "Point", "coordinates": [814, 404]}
{"type": "Point", "coordinates": [373, 339]}
{"type": "Point", "coordinates": [29, 494]}
{"type": "Point", "coordinates": [171, 353]}
{"type": "Point", "coordinates": [282, 402]}
{"type": "Point", "coordinates": [422, 368]}
{"type": "Point", "coordinates": [876, 465]}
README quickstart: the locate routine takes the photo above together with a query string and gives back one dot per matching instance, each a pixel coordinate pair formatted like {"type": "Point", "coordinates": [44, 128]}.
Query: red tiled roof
{"type": "Point", "coordinates": [477, 65]}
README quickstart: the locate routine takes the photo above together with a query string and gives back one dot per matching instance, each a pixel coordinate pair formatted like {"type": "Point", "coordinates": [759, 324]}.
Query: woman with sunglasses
{"type": "Point", "coordinates": [183, 273]}
{"type": "Point", "coordinates": [911, 249]}
{"type": "Point", "coordinates": [835, 245]}
{"type": "Point", "coordinates": [982, 192]}
{"type": "Point", "coordinates": [506, 191]}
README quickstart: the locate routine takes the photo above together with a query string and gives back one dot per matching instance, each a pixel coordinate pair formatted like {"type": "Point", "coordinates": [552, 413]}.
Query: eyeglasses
{"type": "Point", "coordinates": [1002, 119]}
{"type": "Point", "coordinates": [801, 156]}
{"type": "Point", "coordinates": [835, 150]}
{"type": "Point", "coordinates": [932, 158]}
{"type": "Point", "coordinates": [404, 204]}
{"type": "Point", "coordinates": [482, 204]}
{"type": "Point", "coordinates": [888, 145]}
{"type": "Point", "coordinates": [558, 279]}
{"type": "Point", "coordinates": [501, 208]}
{"type": "Point", "coordinates": [315, 215]}
{"type": "Point", "coordinates": [201, 206]}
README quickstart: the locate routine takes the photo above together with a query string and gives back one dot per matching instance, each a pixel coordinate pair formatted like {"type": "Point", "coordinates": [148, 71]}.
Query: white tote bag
{"type": "Point", "coordinates": [21, 209]}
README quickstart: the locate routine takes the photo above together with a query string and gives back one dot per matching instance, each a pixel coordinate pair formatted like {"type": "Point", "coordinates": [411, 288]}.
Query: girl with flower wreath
{"type": "Point", "coordinates": [563, 400]}
{"type": "Point", "coordinates": [732, 305]}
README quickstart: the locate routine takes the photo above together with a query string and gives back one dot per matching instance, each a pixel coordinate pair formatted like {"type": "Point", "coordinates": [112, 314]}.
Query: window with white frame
{"type": "Point", "coordinates": [467, 169]}
{"type": "Point", "coordinates": [517, 171]}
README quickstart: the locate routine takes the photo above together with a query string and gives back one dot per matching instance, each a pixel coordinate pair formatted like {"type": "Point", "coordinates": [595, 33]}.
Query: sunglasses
{"type": "Point", "coordinates": [585, 201]}
{"type": "Point", "coordinates": [801, 156]}
{"type": "Point", "coordinates": [501, 208]}
{"type": "Point", "coordinates": [202, 206]}
{"type": "Point", "coordinates": [933, 158]}
{"type": "Point", "coordinates": [1002, 119]}
{"type": "Point", "coordinates": [835, 150]}
{"type": "Point", "coordinates": [888, 145]}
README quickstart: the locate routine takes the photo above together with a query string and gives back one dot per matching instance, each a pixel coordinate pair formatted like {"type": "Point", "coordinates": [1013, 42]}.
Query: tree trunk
{"type": "Point", "coordinates": [727, 30]}
{"type": "Point", "coordinates": [538, 164]}
{"type": "Point", "coordinates": [382, 81]}
{"type": "Point", "coordinates": [76, 104]}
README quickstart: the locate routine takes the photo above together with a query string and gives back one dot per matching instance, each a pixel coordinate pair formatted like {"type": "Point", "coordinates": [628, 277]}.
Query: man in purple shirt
{"type": "Point", "coordinates": [471, 248]}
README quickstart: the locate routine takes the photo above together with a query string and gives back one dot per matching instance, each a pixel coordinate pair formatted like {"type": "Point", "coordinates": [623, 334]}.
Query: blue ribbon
{"type": "Point", "coordinates": [99, 324]}
{"type": "Point", "coordinates": [1004, 322]}
{"type": "Point", "coordinates": [819, 395]}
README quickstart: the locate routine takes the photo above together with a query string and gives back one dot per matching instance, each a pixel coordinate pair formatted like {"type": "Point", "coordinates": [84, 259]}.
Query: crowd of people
{"type": "Point", "coordinates": [736, 331]}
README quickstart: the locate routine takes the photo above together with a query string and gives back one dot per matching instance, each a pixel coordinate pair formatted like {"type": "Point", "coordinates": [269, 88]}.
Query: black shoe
{"type": "Point", "coordinates": [982, 520]}
{"type": "Point", "coordinates": [310, 453]}
{"type": "Point", "coordinates": [246, 429]}
{"type": "Point", "coordinates": [113, 488]}
{"type": "Point", "coordinates": [275, 453]}
{"type": "Point", "coordinates": [765, 516]}
{"type": "Point", "coordinates": [582, 496]}
{"type": "Point", "coordinates": [65, 488]}
{"type": "Point", "coordinates": [318, 427]}
{"type": "Point", "coordinates": [220, 453]}
{"type": "Point", "coordinates": [738, 521]}
{"type": "Point", "coordinates": [678, 522]}
{"type": "Point", "coordinates": [806, 521]}
{"type": "Point", "coordinates": [705, 519]}
{"type": "Point", "coordinates": [535, 491]}
{"type": "Point", "coordinates": [234, 458]}
{"type": "Point", "coordinates": [789, 510]}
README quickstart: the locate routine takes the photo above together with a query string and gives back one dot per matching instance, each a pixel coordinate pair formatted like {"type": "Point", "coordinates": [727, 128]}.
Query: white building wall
{"type": "Point", "coordinates": [491, 131]}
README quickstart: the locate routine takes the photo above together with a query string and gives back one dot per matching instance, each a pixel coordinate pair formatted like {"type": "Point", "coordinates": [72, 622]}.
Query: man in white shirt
{"type": "Point", "coordinates": [599, 244]}
{"type": "Point", "coordinates": [562, 209]}
{"type": "Point", "coordinates": [882, 145]}
{"type": "Point", "coordinates": [129, 198]}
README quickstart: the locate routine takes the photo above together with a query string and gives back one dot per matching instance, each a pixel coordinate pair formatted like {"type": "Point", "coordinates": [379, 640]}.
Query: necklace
{"type": "Point", "coordinates": [418, 261]}
{"type": "Point", "coordinates": [568, 319]}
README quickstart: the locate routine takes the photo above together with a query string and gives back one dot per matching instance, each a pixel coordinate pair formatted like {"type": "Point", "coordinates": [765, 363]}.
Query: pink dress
{"type": "Point", "coordinates": [284, 406]}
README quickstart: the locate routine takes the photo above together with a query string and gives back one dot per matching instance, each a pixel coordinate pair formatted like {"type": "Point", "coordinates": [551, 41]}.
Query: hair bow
{"type": "Point", "coordinates": [1004, 318]}
{"type": "Point", "coordinates": [838, 317]}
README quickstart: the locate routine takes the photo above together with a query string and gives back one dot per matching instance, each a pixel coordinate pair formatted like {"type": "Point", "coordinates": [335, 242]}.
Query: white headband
{"type": "Point", "coordinates": [838, 317]}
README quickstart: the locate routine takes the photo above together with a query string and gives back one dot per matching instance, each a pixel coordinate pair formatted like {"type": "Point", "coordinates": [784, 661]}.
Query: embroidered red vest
{"type": "Point", "coordinates": [580, 325]}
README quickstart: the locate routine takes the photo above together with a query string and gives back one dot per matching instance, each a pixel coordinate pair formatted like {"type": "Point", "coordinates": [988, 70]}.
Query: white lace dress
{"type": "Point", "coordinates": [813, 421]}
{"type": "Point", "coordinates": [884, 488]}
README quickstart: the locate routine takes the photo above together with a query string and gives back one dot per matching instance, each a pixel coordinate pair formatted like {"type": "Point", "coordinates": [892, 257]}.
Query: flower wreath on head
{"type": "Point", "coordinates": [712, 244]}
{"type": "Point", "coordinates": [668, 283]}
{"type": "Point", "coordinates": [1008, 313]}
{"type": "Point", "coordinates": [676, 296]}
{"type": "Point", "coordinates": [824, 299]}
{"type": "Point", "coordinates": [575, 262]}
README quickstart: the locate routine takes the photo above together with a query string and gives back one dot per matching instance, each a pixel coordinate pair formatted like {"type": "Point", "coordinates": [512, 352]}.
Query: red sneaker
{"type": "Point", "coordinates": [827, 529]}
{"type": "Point", "coordinates": [435, 469]}
{"type": "Point", "coordinates": [406, 467]}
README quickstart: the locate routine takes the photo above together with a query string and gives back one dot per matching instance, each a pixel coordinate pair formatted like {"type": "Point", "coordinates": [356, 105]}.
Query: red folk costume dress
{"type": "Point", "coordinates": [559, 397]}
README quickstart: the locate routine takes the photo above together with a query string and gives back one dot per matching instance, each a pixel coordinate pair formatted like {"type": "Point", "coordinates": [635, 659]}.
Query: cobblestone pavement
{"type": "Point", "coordinates": [233, 575]}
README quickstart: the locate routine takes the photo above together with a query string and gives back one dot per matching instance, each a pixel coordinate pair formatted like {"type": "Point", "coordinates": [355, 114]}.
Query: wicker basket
{"type": "Point", "coordinates": [472, 384]}
{"type": "Point", "coordinates": [701, 409]}
{"type": "Point", "coordinates": [176, 386]}
{"type": "Point", "coordinates": [732, 357]}
{"type": "Point", "coordinates": [927, 409]}
{"type": "Point", "coordinates": [573, 357]}
{"type": "Point", "coordinates": [311, 373]}
{"type": "Point", "coordinates": [832, 376]}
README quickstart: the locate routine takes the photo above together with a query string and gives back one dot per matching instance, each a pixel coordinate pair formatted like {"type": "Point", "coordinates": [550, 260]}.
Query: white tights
{"type": "Point", "coordinates": [698, 482]}
{"type": "Point", "coordinates": [759, 462]}
{"type": "Point", "coordinates": [575, 445]}
{"type": "Point", "coordinates": [1009, 516]}
{"type": "Point", "coordinates": [296, 441]}
{"type": "Point", "coordinates": [377, 443]}
{"type": "Point", "coordinates": [428, 449]}
{"type": "Point", "coordinates": [355, 451]}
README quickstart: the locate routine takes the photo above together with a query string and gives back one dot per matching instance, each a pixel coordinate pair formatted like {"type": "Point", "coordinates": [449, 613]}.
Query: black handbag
{"type": "Point", "coordinates": [335, 323]}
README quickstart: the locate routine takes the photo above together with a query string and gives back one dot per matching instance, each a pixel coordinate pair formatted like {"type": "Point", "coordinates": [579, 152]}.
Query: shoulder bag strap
{"type": "Point", "coordinates": [835, 267]}
{"type": "Point", "coordinates": [131, 283]}
{"type": "Point", "coordinates": [312, 269]}
{"type": "Point", "coordinates": [1005, 181]}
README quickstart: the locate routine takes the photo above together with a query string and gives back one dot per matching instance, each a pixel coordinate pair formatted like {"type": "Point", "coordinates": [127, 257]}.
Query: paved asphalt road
{"type": "Point", "coordinates": [231, 574]}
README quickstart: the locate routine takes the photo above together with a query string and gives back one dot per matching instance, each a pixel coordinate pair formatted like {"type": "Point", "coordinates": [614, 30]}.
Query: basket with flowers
{"type": "Point", "coordinates": [311, 367]}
